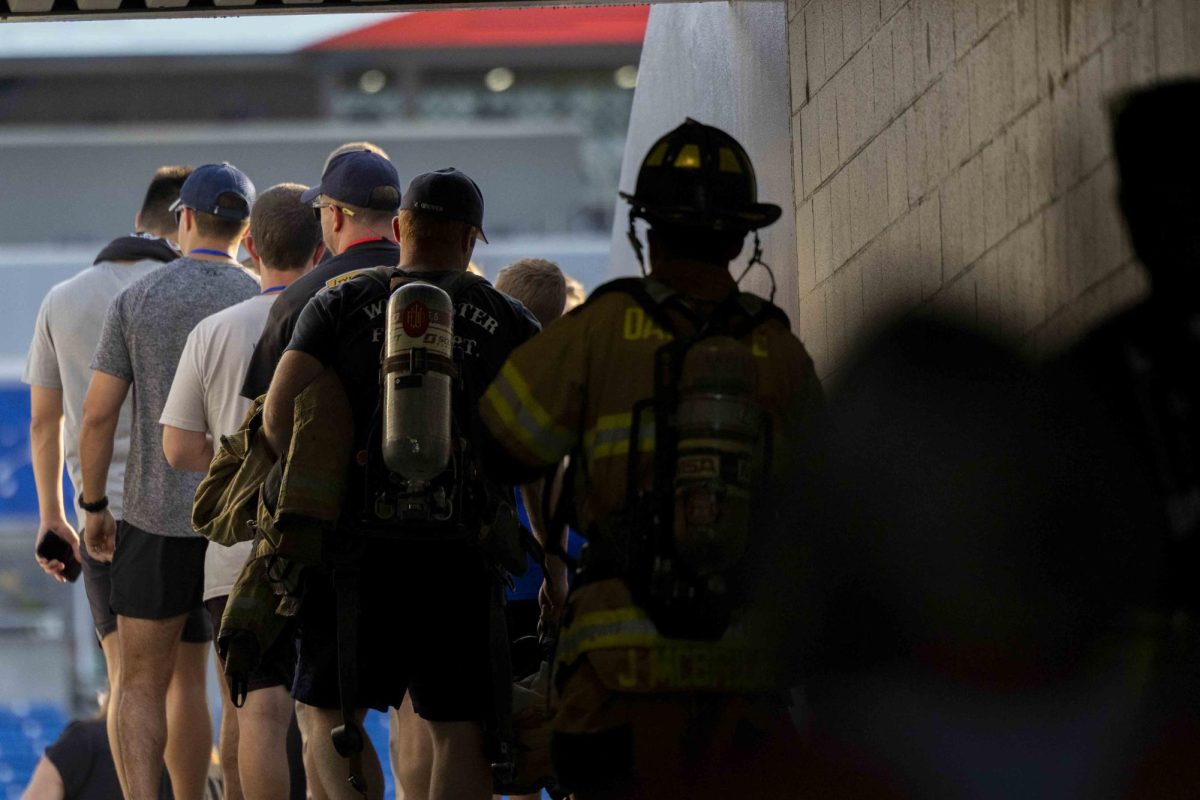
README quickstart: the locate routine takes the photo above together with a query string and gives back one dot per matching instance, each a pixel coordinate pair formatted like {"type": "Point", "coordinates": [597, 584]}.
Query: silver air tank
{"type": "Point", "coordinates": [417, 381]}
{"type": "Point", "coordinates": [719, 446]}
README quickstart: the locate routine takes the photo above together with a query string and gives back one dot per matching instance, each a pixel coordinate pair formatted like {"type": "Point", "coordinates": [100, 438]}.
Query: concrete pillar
{"type": "Point", "coordinates": [724, 64]}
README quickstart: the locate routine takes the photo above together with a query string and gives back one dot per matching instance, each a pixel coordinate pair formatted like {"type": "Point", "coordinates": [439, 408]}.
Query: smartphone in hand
{"type": "Point", "coordinates": [56, 548]}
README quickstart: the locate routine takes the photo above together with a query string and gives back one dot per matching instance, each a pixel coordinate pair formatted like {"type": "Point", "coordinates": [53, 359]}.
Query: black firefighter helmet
{"type": "Point", "coordinates": [700, 176]}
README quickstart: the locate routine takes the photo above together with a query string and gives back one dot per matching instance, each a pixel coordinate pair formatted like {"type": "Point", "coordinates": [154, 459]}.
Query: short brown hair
{"type": "Point", "coordinates": [155, 215]}
{"type": "Point", "coordinates": [286, 232]}
{"type": "Point", "coordinates": [223, 228]}
{"type": "Point", "coordinates": [539, 284]}
{"type": "Point", "coordinates": [425, 227]}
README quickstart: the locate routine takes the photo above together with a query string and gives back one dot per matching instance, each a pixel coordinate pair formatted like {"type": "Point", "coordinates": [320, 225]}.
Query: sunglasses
{"type": "Point", "coordinates": [318, 205]}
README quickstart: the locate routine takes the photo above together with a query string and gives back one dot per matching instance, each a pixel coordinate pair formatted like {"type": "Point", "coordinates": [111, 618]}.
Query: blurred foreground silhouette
{"type": "Point", "coordinates": [971, 585]}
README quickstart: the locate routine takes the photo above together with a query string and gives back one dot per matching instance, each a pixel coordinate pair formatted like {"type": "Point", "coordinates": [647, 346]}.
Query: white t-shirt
{"type": "Point", "coordinates": [206, 396]}
{"type": "Point", "coordinates": [60, 357]}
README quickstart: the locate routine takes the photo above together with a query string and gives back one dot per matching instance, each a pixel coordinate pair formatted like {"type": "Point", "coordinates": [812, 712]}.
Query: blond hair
{"type": "Point", "coordinates": [576, 294]}
{"type": "Point", "coordinates": [539, 285]}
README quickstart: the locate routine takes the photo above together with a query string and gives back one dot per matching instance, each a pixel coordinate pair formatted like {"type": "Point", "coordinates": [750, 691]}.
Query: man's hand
{"type": "Point", "coordinates": [53, 567]}
{"type": "Point", "coordinates": [100, 535]}
{"type": "Point", "coordinates": [552, 598]}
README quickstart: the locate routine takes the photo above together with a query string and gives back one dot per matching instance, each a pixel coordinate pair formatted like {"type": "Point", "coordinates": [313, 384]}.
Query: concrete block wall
{"type": "Point", "coordinates": [956, 154]}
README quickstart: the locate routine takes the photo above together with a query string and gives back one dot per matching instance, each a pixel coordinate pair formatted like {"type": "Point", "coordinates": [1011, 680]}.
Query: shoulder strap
{"type": "Point", "coordinates": [652, 296]}
{"type": "Point", "coordinates": [381, 275]}
{"type": "Point", "coordinates": [760, 310]}
{"type": "Point", "coordinates": [454, 285]}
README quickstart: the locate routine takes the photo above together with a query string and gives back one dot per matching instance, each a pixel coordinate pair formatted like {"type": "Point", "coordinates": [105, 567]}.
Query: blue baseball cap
{"type": "Point", "coordinates": [203, 189]}
{"type": "Point", "coordinates": [359, 178]}
{"type": "Point", "coordinates": [447, 193]}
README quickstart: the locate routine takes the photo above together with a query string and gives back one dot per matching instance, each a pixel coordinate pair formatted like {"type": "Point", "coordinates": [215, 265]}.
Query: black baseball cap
{"type": "Point", "coordinates": [447, 193]}
{"type": "Point", "coordinates": [203, 189]}
{"type": "Point", "coordinates": [359, 178]}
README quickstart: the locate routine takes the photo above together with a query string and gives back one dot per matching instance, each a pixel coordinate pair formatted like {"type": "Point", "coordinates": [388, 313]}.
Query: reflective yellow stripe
{"type": "Point", "coordinates": [656, 662]}
{"type": "Point", "coordinates": [603, 630]}
{"type": "Point", "coordinates": [524, 417]}
{"type": "Point", "coordinates": [610, 436]}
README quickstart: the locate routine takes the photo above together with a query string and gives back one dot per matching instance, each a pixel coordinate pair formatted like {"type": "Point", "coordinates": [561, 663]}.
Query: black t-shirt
{"type": "Point", "coordinates": [281, 322]}
{"type": "Point", "coordinates": [84, 761]}
{"type": "Point", "coordinates": [343, 327]}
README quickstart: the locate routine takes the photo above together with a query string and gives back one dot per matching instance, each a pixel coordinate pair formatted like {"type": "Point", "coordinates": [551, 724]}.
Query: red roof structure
{"type": "Point", "coordinates": [501, 27]}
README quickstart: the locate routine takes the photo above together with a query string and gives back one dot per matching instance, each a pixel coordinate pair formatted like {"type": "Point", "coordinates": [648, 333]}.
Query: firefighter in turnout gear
{"type": "Point", "coordinates": [674, 395]}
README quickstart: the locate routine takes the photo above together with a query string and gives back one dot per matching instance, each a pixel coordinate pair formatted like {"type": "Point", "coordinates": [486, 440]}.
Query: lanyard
{"type": "Point", "coordinates": [363, 241]}
{"type": "Point", "coordinates": [208, 252]}
{"type": "Point", "coordinates": [278, 288]}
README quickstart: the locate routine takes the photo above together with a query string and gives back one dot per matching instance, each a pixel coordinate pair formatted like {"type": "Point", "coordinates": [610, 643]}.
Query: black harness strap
{"type": "Point", "coordinates": [348, 737]}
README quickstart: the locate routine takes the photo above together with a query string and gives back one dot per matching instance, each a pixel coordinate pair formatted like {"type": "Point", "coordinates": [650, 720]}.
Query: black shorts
{"type": "Point", "coordinates": [97, 584]}
{"type": "Point", "coordinates": [159, 577]}
{"type": "Point", "coordinates": [277, 666]}
{"type": "Point", "coordinates": [422, 628]}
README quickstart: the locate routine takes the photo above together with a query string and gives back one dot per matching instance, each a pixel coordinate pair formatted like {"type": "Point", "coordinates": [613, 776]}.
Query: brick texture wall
{"type": "Point", "coordinates": [956, 154]}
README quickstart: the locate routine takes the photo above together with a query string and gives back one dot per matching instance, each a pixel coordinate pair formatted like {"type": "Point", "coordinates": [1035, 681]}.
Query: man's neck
{"type": "Point", "coordinates": [695, 279]}
{"type": "Point", "coordinates": [270, 277]}
{"type": "Point", "coordinates": [359, 235]}
{"type": "Point", "coordinates": [414, 259]}
{"type": "Point", "coordinates": [157, 235]}
{"type": "Point", "coordinates": [211, 250]}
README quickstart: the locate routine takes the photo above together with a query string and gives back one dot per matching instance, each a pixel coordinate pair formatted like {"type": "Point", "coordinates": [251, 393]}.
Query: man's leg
{"type": "Point", "coordinates": [189, 725]}
{"type": "Point", "coordinates": [229, 742]}
{"type": "Point", "coordinates": [148, 651]}
{"type": "Point", "coordinates": [332, 769]}
{"type": "Point", "coordinates": [110, 645]}
{"type": "Point", "coordinates": [262, 745]}
{"type": "Point", "coordinates": [460, 767]}
{"type": "Point", "coordinates": [411, 749]}
{"type": "Point", "coordinates": [316, 788]}
{"type": "Point", "coordinates": [97, 585]}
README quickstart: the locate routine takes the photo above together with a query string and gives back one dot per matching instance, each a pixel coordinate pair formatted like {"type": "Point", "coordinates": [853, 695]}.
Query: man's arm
{"type": "Point", "coordinates": [186, 440]}
{"type": "Point", "coordinates": [552, 598]}
{"type": "Point", "coordinates": [101, 411]}
{"type": "Point", "coordinates": [184, 449]}
{"type": "Point", "coordinates": [46, 782]}
{"type": "Point", "coordinates": [295, 372]}
{"type": "Point", "coordinates": [46, 454]}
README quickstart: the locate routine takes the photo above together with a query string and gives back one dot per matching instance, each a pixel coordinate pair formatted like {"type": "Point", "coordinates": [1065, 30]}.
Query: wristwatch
{"type": "Point", "coordinates": [93, 508]}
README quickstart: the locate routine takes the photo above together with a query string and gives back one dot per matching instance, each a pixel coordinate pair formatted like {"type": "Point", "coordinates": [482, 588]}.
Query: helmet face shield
{"type": "Point", "coordinates": [700, 176]}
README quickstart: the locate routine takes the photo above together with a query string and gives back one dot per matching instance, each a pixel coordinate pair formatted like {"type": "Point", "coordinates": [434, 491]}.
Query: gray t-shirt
{"type": "Point", "coordinates": [206, 397]}
{"type": "Point", "coordinates": [144, 334]}
{"type": "Point", "coordinates": [60, 357]}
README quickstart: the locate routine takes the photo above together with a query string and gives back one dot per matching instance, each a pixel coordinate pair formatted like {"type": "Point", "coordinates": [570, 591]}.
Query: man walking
{"type": "Point", "coordinates": [203, 405]}
{"type": "Point", "coordinates": [660, 691]}
{"type": "Point", "coordinates": [158, 561]}
{"type": "Point", "coordinates": [58, 370]}
{"type": "Point", "coordinates": [444, 659]}
{"type": "Point", "coordinates": [357, 198]}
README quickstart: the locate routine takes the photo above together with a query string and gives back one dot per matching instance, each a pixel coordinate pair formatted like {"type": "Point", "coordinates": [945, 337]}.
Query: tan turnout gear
{"type": "Point", "coordinates": [536, 409]}
{"type": "Point", "coordinates": [285, 506]}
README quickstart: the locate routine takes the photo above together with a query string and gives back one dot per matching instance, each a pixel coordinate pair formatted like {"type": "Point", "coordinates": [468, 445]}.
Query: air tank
{"type": "Point", "coordinates": [417, 381]}
{"type": "Point", "coordinates": [718, 453]}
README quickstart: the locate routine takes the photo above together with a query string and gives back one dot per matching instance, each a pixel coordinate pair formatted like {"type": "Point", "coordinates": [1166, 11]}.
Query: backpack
{"type": "Point", "coordinates": [684, 539]}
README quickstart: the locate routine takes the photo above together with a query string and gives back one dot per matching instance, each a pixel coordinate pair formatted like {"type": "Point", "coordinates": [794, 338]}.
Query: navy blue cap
{"type": "Point", "coordinates": [203, 189]}
{"type": "Point", "coordinates": [359, 178]}
{"type": "Point", "coordinates": [447, 193]}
